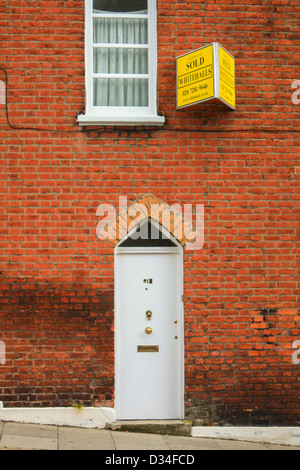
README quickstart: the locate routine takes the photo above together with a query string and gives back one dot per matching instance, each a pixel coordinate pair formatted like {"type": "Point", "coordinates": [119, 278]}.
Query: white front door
{"type": "Point", "coordinates": [149, 334]}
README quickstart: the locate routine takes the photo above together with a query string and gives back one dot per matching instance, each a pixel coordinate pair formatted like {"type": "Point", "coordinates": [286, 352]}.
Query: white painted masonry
{"type": "Point", "coordinates": [271, 434]}
{"type": "Point", "coordinates": [85, 417]}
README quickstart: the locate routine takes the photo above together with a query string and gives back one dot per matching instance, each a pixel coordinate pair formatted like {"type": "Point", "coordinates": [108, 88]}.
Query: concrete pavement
{"type": "Point", "coordinates": [16, 436]}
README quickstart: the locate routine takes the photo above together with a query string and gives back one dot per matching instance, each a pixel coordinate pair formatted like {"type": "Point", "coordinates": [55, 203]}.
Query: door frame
{"type": "Point", "coordinates": [178, 249]}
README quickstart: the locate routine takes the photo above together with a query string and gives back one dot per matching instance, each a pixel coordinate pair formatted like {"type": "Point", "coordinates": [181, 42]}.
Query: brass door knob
{"type": "Point", "coordinates": [149, 314]}
{"type": "Point", "coordinates": [148, 330]}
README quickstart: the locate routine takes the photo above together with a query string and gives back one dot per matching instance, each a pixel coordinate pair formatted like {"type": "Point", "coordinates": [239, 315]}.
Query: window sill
{"type": "Point", "coordinates": [87, 120]}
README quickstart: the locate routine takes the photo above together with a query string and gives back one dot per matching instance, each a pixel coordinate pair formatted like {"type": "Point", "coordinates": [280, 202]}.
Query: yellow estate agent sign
{"type": "Point", "coordinates": [204, 74]}
{"type": "Point", "coordinates": [226, 68]}
{"type": "Point", "coordinates": [195, 77]}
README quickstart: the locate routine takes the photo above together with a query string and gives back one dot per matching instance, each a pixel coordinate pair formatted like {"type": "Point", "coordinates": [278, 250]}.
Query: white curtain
{"type": "Point", "coordinates": [120, 91]}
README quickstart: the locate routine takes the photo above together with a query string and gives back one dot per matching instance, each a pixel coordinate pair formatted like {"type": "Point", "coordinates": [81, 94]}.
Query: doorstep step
{"type": "Point", "coordinates": [171, 427]}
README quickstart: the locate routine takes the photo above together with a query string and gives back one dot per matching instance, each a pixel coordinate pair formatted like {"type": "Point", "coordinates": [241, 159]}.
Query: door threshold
{"type": "Point", "coordinates": [174, 427]}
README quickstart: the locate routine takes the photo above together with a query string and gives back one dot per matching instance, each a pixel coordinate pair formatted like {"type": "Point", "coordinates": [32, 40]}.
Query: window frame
{"type": "Point", "coordinates": [121, 115]}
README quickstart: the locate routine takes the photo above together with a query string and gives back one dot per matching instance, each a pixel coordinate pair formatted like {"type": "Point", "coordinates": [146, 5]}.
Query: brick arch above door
{"type": "Point", "coordinates": [148, 206]}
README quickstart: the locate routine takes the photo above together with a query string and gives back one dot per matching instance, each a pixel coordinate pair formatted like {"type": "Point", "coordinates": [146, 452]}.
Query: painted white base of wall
{"type": "Point", "coordinates": [86, 417]}
{"type": "Point", "coordinates": [272, 435]}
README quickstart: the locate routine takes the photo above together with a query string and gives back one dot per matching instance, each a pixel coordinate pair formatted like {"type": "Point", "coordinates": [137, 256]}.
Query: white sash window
{"type": "Point", "coordinates": [121, 63]}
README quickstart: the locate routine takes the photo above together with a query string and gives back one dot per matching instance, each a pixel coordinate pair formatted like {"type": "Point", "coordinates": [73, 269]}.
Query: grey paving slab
{"type": "Point", "coordinates": [28, 436]}
{"type": "Point", "coordinates": [239, 445]}
{"type": "Point", "coordinates": [28, 442]}
{"type": "Point", "coordinates": [138, 441]}
{"type": "Point", "coordinates": [45, 437]}
{"type": "Point", "coordinates": [84, 439]}
{"type": "Point", "coordinates": [36, 430]}
{"type": "Point", "coordinates": [191, 443]}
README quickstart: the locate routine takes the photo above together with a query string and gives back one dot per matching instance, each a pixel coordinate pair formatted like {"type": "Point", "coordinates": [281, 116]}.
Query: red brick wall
{"type": "Point", "coordinates": [57, 279]}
